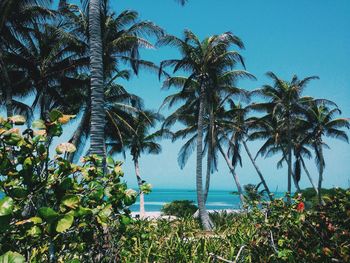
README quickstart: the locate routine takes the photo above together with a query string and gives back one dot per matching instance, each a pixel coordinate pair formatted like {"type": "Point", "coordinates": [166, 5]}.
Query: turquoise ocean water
{"type": "Point", "coordinates": [217, 199]}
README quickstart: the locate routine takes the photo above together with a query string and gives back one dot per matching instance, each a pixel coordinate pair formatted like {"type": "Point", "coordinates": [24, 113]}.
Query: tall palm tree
{"type": "Point", "coordinates": [284, 105]}
{"type": "Point", "coordinates": [121, 38]}
{"type": "Point", "coordinates": [15, 15]}
{"type": "Point", "coordinates": [323, 123]}
{"type": "Point", "coordinates": [240, 125]}
{"type": "Point", "coordinates": [139, 140]}
{"type": "Point", "coordinates": [205, 61]}
{"type": "Point", "coordinates": [97, 122]}
{"type": "Point", "coordinates": [97, 118]}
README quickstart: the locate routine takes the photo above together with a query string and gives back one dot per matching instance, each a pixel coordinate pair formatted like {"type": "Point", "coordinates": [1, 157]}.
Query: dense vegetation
{"type": "Point", "coordinates": [280, 232]}
{"type": "Point", "coordinates": [68, 62]}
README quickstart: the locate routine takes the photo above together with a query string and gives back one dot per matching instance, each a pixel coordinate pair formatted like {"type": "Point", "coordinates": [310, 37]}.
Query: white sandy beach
{"type": "Point", "coordinates": [158, 214]}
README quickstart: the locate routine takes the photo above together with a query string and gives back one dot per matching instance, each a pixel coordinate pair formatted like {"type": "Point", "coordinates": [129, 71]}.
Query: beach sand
{"type": "Point", "coordinates": [158, 215]}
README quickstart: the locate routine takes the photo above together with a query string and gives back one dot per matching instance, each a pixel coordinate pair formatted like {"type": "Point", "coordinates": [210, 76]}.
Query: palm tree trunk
{"type": "Point", "coordinates": [235, 177]}
{"type": "Point", "coordinates": [199, 179]}
{"type": "Point", "coordinates": [320, 178]}
{"type": "Point", "coordinates": [257, 170]}
{"type": "Point", "coordinates": [309, 176]}
{"type": "Point", "coordinates": [209, 155]}
{"type": "Point", "coordinates": [289, 159]}
{"type": "Point", "coordinates": [98, 118]}
{"type": "Point", "coordinates": [296, 184]}
{"type": "Point", "coordinates": [78, 134]}
{"type": "Point", "coordinates": [8, 90]}
{"type": "Point", "coordinates": [139, 183]}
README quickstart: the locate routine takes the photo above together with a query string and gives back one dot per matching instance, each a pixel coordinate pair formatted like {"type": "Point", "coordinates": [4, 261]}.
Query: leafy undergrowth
{"type": "Point", "coordinates": [279, 232]}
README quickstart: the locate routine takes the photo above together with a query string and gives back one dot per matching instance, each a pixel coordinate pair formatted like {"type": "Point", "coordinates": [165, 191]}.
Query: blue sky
{"type": "Point", "coordinates": [287, 37]}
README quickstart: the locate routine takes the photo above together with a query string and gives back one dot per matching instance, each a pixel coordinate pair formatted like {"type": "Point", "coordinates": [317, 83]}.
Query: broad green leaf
{"type": "Point", "coordinates": [55, 130]}
{"type": "Point", "coordinates": [38, 124]}
{"type": "Point", "coordinates": [82, 211]}
{"type": "Point", "coordinates": [34, 231]}
{"type": "Point", "coordinates": [65, 147]}
{"type": "Point", "coordinates": [65, 222]}
{"type": "Point", "coordinates": [125, 220]}
{"type": "Point", "coordinates": [130, 197]}
{"type": "Point", "coordinates": [103, 215]}
{"type": "Point", "coordinates": [110, 162]}
{"type": "Point", "coordinates": [13, 139]}
{"type": "Point", "coordinates": [12, 257]}
{"type": "Point", "coordinates": [71, 201]}
{"type": "Point", "coordinates": [27, 163]}
{"type": "Point", "coordinates": [48, 214]}
{"type": "Point", "coordinates": [67, 184]}
{"type": "Point", "coordinates": [54, 115]}
{"type": "Point", "coordinates": [96, 190]}
{"type": "Point", "coordinates": [17, 119]}
{"type": "Point", "coordinates": [146, 188]}
{"type": "Point", "coordinates": [18, 192]}
{"type": "Point", "coordinates": [6, 206]}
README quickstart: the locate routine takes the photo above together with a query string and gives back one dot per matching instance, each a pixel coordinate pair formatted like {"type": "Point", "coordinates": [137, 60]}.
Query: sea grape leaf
{"type": "Point", "coordinates": [71, 201]}
{"type": "Point", "coordinates": [6, 206]}
{"type": "Point", "coordinates": [48, 214]}
{"type": "Point", "coordinates": [65, 222]}
{"type": "Point", "coordinates": [12, 257]}
{"type": "Point", "coordinates": [65, 147]}
{"type": "Point", "coordinates": [17, 119]}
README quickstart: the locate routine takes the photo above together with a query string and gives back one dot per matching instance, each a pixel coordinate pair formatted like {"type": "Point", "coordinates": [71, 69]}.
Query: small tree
{"type": "Point", "coordinates": [53, 209]}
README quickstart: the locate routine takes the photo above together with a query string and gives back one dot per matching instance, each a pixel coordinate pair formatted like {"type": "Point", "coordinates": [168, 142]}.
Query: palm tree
{"type": "Point", "coordinates": [284, 105]}
{"type": "Point", "coordinates": [121, 40]}
{"type": "Point", "coordinates": [14, 17]}
{"type": "Point", "coordinates": [240, 125]}
{"type": "Point", "coordinates": [139, 140]}
{"type": "Point", "coordinates": [128, 46]}
{"type": "Point", "coordinates": [205, 61]}
{"type": "Point", "coordinates": [323, 123]}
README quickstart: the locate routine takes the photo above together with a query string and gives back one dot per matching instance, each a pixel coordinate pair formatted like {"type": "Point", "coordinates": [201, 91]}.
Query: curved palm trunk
{"type": "Point", "coordinates": [207, 178]}
{"type": "Point", "coordinates": [139, 183]}
{"type": "Point", "coordinates": [203, 214]}
{"type": "Point", "coordinates": [308, 175]}
{"type": "Point", "coordinates": [78, 134]}
{"type": "Point", "coordinates": [209, 155]}
{"type": "Point", "coordinates": [289, 159]}
{"type": "Point", "coordinates": [235, 177]}
{"type": "Point", "coordinates": [296, 184]}
{"type": "Point", "coordinates": [258, 171]}
{"type": "Point", "coordinates": [320, 177]}
{"type": "Point", "coordinates": [8, 90]}
{"type": "Point", "coordinates": [98, 119]}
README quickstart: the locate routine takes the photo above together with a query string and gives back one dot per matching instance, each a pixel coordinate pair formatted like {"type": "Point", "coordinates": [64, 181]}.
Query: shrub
{"type": "Point", "coordinates": [54, 210]}
{"type": "Point", "coordinates": [279, 232]}
{"type": "Point", "coordinates": [179, 208]}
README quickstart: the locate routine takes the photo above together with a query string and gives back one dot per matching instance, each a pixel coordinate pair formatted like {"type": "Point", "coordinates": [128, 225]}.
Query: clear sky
{"type": "Point", "coordinates": [287, 37]}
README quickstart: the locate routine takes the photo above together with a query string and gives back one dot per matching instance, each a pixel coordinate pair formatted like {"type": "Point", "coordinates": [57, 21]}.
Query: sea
{"type": "Point", "coordinates": [217, 199]}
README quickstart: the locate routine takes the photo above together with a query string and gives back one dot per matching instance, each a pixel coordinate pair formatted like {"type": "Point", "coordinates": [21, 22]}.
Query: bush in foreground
{"type": "Point", "coordinates": [54, 210]}
{"type": "Point", "coordinates": [279, 232]}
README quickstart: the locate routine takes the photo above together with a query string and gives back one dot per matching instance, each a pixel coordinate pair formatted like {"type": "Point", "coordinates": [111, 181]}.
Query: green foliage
{"type": "Point", "coordinates": [280, 232]}
{"type": "Point", "coordinates": [311, 197]}
{"type": "Point", "coordinates": [53, 208]}
{"type": "Point", "coordinates": [179, 208]}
